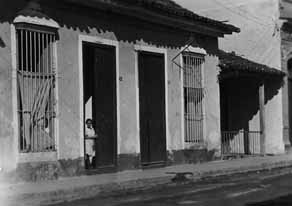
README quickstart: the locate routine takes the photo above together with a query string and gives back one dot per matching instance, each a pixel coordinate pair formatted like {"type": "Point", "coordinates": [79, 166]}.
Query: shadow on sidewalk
{"type": "Point", "coordinates": [283, 201]}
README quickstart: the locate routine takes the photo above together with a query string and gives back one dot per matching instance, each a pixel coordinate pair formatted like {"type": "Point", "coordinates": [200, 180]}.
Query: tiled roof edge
{"type": "Point", "coordinates": [235, 62]}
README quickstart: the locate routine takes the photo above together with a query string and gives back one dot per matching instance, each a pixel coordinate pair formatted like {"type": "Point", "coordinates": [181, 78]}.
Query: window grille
{"type": "Point", "coordinates": [193, 97]}
{"type": "Point", "coordinates": [36, 85]}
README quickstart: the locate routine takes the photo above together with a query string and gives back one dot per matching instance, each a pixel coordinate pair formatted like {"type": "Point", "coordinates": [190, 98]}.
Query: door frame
{"type": "Point", "coordinates": [141, 48]}
{"type": "Point", "coordinates": [98, 41]}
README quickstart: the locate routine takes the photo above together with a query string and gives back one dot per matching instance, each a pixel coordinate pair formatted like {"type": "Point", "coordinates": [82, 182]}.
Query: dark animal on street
{"type": "Point", "coordinates": [181, 176]}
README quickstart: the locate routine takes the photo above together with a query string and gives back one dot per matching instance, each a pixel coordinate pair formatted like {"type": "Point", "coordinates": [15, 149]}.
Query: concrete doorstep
{"type": "Point", "coordinates": [73, 188]}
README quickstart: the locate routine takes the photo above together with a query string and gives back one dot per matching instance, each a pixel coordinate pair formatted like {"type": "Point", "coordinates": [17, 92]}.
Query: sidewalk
{"type": "Point", "coordinates": [67, 189]}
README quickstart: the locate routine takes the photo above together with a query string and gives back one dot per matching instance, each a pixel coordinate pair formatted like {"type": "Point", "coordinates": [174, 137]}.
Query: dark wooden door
{"type": "Point", "coordinates": [290, 106]}
{"type": "Point", "coordinates": [104, 106]}
{"type": "Point", "coordinates": [152, 108]}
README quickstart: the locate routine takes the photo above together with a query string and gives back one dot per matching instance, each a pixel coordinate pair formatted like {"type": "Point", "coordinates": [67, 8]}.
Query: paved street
{"type": "Point", "coordinates": [269, 188]}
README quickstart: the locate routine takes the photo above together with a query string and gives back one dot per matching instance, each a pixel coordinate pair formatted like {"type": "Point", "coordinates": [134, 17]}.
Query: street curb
{"type": "Point", "coordinates": [249, 169]}
{"type": "Point", "coordinates": [110, 189]}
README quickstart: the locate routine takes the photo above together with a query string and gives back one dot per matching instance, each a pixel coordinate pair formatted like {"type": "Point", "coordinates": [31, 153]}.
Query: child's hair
{"type": "Point", "coordinates": [88, 121]}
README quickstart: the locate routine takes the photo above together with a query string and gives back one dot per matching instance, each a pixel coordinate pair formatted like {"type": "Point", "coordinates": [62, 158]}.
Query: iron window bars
{"type": "Point", "coordinates": [193, 96]}
{"type": "Point", "coordinates": [36, 89]}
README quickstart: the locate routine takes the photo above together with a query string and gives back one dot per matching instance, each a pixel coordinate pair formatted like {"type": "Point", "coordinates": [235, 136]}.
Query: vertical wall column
{"type": "Point", "coordinates": [262, 117]}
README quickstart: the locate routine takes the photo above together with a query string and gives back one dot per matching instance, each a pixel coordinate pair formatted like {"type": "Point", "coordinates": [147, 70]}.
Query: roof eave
{"type": "Point", "coordinates": [170, 21]}
{"type": "Point", "coordinates": [230, 62]}
{"type": "Point", "coordinates": [229, 67]}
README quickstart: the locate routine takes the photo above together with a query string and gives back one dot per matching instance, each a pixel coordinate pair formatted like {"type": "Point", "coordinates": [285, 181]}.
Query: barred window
{"type": "Point", "coordinates": [36, 88]}
{"type": "Point", "coordinates": [193, 97]}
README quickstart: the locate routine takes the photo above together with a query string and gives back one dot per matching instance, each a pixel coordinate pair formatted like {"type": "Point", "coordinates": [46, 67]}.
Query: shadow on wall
{"type": "Point", "coordinates": [240, 100]}
{"type": "Point", "coordinates": [272, 87]}
{"type": "Point", "coordinates": [122, 28]}
{"type": "Point", "coordinates": [239, 105]}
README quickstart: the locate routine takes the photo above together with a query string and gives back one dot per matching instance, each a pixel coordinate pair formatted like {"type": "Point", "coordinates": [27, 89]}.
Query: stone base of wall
{"type": "Point", "coordinates": [187, 156]}
{"type": "Point", "coordinates": [286, 137]}
{"type": "Point", "coordinates": [190, 156]}
{"type": "Point", "coordinates": [128, 162]}
{"type": "Point", "coordinates": [41, 171]}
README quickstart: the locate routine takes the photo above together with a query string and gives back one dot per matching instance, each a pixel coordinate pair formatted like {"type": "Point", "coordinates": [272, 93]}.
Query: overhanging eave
{"type": "Point", "coordinates": [156, 18]}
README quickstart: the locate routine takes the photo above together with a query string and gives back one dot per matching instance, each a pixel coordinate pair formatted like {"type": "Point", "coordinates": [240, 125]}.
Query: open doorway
{"type": "Point", "coordinates": [99, 83]}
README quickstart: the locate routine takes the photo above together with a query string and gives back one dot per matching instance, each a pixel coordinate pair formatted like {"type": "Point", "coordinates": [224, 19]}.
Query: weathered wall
{"type": "Point", "coordinates": [128, 33]}
{"type": "Point", "coordinates": [274, 116]}
{"type": "Point", "coordinates": [8, 139]}
{"type": "Point", "coordinates": [286, 49]}
{"type": "Point", "coordinates": [175, 141]}
{"type": "Point", "coordinates": [128, 36]}
{"type": "Point", "coordinates": [212, 104]}
{"type": "Point", "coordinates": [129, 137]}
{"type": "Point", "coordinates": [68, 99]}
{"type": "Point", "coordinates": [259, 40]}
